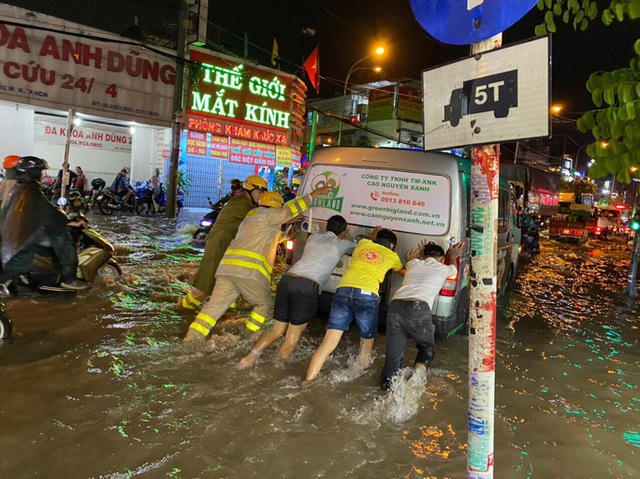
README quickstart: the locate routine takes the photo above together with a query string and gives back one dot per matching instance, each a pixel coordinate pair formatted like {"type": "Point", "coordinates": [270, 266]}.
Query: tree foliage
{"type": "Point", "coordinates": [615, 124]}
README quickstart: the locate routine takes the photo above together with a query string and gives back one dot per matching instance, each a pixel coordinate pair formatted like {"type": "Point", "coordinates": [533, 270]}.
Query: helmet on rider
{"type": "Point", "coordinates": [29, 168]}
{"type": "Point", "coordinates": [254, 181]}
{"type": "Point", "coordinates": [271, 199]}
{"type": "Point", "coordinates": [9, 165]}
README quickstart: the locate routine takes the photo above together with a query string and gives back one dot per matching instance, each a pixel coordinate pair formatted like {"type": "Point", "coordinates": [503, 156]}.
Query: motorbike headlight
{"type": "Point", "coordinates": [206, 223]}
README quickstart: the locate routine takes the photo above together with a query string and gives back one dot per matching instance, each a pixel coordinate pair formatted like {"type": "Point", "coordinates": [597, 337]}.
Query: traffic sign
{"type": "Point", "coordinates": [497, 96]}
{"type": "Point", "coordinates": [463, 22]}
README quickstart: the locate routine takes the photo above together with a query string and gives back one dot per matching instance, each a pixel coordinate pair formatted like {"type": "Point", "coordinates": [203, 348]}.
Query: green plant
{"type": "Point", "coordinates": [615, 124]}
{"type": "Point", "coordinates": [184, 182]}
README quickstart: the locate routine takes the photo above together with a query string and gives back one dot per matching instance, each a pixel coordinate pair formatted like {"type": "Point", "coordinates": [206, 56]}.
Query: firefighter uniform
{"type": "Point", "coordinates": [246, 266]}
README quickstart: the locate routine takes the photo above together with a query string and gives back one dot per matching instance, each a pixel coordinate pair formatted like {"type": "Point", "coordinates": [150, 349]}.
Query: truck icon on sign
{"type": "Point", "coordinates": [497, 93]}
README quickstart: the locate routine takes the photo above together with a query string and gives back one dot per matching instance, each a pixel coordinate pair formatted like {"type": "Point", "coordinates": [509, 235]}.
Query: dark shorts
{"type": "Point", "coordinates": [353, 304]}
{"type": "Point", "coordinates": [296, 300]}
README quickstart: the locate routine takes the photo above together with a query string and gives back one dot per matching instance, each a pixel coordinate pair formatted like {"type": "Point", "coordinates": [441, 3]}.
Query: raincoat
{"type": "Point", "coordinates": [246, 266]}
{"type": "Point", "coordinates": [221, 235]}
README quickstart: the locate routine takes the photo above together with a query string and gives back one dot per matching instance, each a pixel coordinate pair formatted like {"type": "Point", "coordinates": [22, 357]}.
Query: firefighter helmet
{"type": "Point", "coordinates": [271, 199]}
{"type": "Point", "coordinates": [254, 181]}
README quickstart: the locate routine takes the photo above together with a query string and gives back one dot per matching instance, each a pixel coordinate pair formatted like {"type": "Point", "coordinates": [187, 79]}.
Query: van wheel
{"type": "Point", "coordinates": [5, 325]}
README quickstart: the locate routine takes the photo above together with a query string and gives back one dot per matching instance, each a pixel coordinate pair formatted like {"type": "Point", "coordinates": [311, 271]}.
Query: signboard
{"type": "Point", "coordinates": [83, 137]}
{"type": "Point", "coordinates": [403, 201]}
{"type": "Point", "coordinates": [252, 153]}
{"type": "Point", "coordinates": [502, 95]}
{"type": "Point", "coordinates": [409, 104]}
{"type": "Point", "coordinates": [463, 22]}
{"type": "Point", "coordinates": [235, 130]}
{"type": "Point", "coordinates": [196, 143]}
{"type": "Point", "coordinates": [219, 147]}
{"type": "Point", "coordinates": [381, 104]}
{"type": "Point", "coordinates": [283, 156]}
{"type": "Point", "coordinates": [103, 78]}
{"type": "Point", "coordinates": [242, 94]}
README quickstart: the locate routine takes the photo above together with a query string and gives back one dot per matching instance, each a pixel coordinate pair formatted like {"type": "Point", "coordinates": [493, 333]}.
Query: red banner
{"type": "Point", "coordinates": [236, 130]}
{"type": "Point", "coordinates": [196, 143]}
{"type": "Point", "coordinates": [252, 153]}
{"type": "Point", "coordinates": [219, 147]}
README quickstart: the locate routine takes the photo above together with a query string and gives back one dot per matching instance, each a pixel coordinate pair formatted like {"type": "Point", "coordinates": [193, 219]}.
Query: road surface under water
{"type": "Point", "coordinates": [99, 386]}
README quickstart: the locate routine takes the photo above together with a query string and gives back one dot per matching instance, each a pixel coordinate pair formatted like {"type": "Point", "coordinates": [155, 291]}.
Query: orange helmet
{"type": "Point", "coordinates": [10, 162]}
{"type": "Point", "coordinates": [271, 199]}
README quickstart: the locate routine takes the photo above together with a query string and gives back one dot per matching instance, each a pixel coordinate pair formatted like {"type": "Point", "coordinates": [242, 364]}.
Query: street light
{"type": "Point", "coordinates": [556, 108]}
{"type": "Point", "coordinates": [378, 51]}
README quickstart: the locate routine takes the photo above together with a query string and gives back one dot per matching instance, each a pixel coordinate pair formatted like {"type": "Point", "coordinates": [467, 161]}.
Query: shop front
{"type": "Point", "coordinates": [242, 119]}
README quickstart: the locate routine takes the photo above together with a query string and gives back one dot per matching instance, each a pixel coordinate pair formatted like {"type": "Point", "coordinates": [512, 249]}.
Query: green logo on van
{"type": "Point", "coordinates": [330, 201]}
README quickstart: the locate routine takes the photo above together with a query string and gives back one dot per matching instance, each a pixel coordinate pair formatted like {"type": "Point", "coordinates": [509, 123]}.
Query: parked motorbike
{"type": "Point", "coordinates": [145, 201]}
{"type": "Point", "coordinates": [95, 195]}
{"type": "Point", "coordinates": [110, 202]}
{"type": "Point", "coordinates": [207, 221]}
{"type": "Point", "coordinates": [95, 259]}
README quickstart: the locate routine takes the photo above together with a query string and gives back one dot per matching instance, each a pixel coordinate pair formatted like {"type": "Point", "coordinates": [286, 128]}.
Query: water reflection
{"type": "Point", "coordinates": [103, 388]}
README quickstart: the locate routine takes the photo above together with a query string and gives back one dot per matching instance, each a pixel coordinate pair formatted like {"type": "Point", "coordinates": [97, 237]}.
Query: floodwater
{"type": "Point", "coordinates": [99, 386]}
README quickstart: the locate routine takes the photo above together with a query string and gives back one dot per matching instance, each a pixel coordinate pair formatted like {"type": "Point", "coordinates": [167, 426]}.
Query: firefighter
{"type": "Point", "coordinates": [246, 266]}
{"type": "Point", "coordinates": [10, 176]}
{"type": "Point", "coordinates": [218, 240]}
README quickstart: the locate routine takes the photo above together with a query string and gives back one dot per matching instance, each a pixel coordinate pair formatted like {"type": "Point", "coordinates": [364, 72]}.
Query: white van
{"type": "Point", "coordinates": [416, 194]}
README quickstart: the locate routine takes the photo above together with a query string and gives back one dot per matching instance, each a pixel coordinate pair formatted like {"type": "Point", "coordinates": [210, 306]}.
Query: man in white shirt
{"type": "Point", "coordinates": [299, 290]}
{"type": "Point", "coordinates": [409, 314]}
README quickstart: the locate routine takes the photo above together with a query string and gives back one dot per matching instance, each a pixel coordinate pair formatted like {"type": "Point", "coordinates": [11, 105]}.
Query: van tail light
{"type": "Point", "coordinates": [289, 252]}
{"type": "Point", "coordinates": [598, 229]}
{"type": "Point", "coordinates": [450, 286]}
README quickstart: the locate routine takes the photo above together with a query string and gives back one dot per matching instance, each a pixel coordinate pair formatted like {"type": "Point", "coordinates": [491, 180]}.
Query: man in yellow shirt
{"type": "Point", "coordinates": [356, 298]}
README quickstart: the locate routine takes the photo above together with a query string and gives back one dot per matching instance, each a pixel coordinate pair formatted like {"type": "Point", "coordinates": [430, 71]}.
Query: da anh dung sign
{"type": "Point", "coordinates": [403, 201]}
{"type": "Point", "coordinates": [105, 78]}
{"type": "Point", "coordinates": [241, 94]}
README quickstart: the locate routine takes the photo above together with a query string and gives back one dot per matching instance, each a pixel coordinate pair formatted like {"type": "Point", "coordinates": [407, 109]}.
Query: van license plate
{"type": "Point", "coordinates": [566, 232]}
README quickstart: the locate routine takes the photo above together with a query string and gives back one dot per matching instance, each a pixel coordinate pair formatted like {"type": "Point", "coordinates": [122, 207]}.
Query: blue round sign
{"type": "Point", "coordinates": [463, 22]}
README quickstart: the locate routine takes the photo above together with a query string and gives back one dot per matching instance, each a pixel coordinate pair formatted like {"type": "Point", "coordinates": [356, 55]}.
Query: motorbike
{"type": "Point", "coordinates": [145, 201]}
{"type": "Point", "coordinates": [95, 260]}
{"type": "Point", "coordinates": [207, 221]}
{"type": "Point", "coordinates": [531, 241]}
{"type": "Point", "coordinates": [110, 202]}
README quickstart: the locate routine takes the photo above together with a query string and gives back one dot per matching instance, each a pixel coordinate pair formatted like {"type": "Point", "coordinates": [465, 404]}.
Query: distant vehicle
{"type": "Point", "coordinates": [571, 225]}
{"type": "Point", "coordinates": [419, 195]}
{"type": "Point", "coordinates": [537, 190]}
{"type": "Point", "coordinates": [497, 93]}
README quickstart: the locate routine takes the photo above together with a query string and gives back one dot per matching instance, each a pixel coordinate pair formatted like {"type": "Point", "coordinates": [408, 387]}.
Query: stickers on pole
{"type": "Point", "coordinates": [498, 96]}
{"type": "Point", "coordinates": [463, 22]}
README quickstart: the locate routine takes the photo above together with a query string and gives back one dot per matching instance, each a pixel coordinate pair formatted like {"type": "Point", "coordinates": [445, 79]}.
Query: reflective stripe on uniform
{"type": "Point", "coordinates": [294, 209]}
{"type": "Point", "coordinates": [246, 264]}
{"type": "Point", "coordinates": [193, 299]}
{"type": "Point", "coordinates": [252, 255]}
{"type": "Point", "coordinates": [207, 319]}
{"type": "Point", "coordinates": [185, 304]}
{"type": "Point", "coordinates": [258, 317]}
{"type": "Point", "coordinates": [200, 328]}
{"type": "Point", "coordinates": [252, 327]}
{"type": "Point", "coordinates": [301, 204]}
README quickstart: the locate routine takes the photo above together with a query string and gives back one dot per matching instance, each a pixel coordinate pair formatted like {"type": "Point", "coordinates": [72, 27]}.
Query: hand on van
{"type": "Point", "coordinates": [455, 251]}
{"type": "Point", "coordinates": [325, 190]}
{"type": "Point", "coordinates": [374, 233]}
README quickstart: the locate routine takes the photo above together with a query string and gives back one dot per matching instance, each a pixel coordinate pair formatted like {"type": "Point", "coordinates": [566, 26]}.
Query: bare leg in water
{"type": "Point", "coordinates": [329, 344]}
{"type": "Point", "coordinates": [366, 348]}
{"type": "Point", "coordinates": [264, 341]}
{"type": "Point", "coordinates": [286, 350]}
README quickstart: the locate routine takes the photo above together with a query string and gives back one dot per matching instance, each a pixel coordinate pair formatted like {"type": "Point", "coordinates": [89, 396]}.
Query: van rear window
{"type": "Point", "coordinates": [403, 201]}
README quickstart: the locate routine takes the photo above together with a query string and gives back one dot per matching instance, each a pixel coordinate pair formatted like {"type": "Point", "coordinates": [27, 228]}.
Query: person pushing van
{"type": "Point", "coordinates": [356, 298]}
{"type": "Point", "coordinates": [245, 268]}
{"type": "Point", "coordinates": [299, 290]}
{"type": "Point", "coordinates": [409, 314]}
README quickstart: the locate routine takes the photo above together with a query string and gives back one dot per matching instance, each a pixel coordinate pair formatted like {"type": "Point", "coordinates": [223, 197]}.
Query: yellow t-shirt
{"type": "Point", "coordinates": [368, 266]}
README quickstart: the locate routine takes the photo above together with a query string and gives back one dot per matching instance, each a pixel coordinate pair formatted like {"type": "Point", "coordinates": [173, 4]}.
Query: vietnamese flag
{"type": "Point", "coordinates": [312, 67]}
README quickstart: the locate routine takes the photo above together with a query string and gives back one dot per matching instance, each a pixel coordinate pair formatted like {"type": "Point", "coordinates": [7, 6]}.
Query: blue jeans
{"type": "Point", "coordinates": [351, 304]}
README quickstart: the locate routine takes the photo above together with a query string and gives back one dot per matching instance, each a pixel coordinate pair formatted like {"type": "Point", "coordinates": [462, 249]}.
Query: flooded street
{"type": "Point", "coordinates": [99, 386]}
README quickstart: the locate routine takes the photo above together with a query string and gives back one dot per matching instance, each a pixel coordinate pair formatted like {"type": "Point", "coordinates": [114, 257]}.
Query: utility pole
{"type": "Point", "coordinates": [485, 172]}
{"type": "Point", "coordinates": [64, 181]}
{"type": "Point", "coordinates": [631, 290]}
{"type": "Point", "coordinates": [178, 98]}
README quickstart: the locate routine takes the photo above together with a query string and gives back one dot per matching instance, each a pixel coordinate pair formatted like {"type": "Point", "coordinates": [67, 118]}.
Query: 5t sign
{"type": "Point", "coordinates": [496, 93]}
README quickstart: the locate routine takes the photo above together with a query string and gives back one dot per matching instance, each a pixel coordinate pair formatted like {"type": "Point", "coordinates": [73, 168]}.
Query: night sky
{"type": "Point", "coordinates": [346, 31]}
